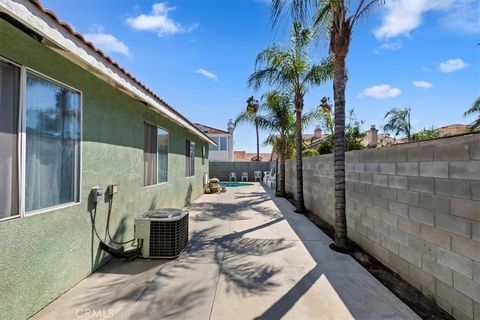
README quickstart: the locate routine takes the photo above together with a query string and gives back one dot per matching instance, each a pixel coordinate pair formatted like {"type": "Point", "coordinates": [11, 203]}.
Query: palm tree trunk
{"type": "Point", "coordinates": [300, 204]}
{"type": "Point", "coordinates": [258, 142]}
{"type": "Point", "coordinates": [281, 173]}
{"type": "Point", "coordinates": [339, 152]}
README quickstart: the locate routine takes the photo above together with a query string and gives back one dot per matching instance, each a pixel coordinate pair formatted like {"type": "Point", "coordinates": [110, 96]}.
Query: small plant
{"type": "Point", "coordinates": [426, 134]}
{"type": "Point", "coordinates": [353, 134]}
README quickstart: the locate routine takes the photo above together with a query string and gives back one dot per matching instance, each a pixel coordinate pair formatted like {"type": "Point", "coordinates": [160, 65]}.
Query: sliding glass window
{"type": "Point", "coordinates": [189, 158]}
{"type": "Point", "coordinates": [53, 126]}
{"type": "Point", "coordinates": [9, 120]}
{"type": "Point", "coordinates": [155, 155]}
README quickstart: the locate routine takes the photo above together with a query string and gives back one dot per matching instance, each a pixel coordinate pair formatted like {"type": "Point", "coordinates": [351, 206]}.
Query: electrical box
{"type": "Point", "coordinates": [112, 189]}
{"type": "Point", "coordinates": [97, 195]}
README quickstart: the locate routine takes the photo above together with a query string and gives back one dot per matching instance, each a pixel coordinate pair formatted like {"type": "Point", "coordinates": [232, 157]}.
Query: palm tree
{"type": "Point", "coordinates": [277, 115]}
{"type": "Point", "coordinates": [474, 109]}
{"type": "Point", "coordinates": [252, 109]}
{"type": "Point", "coordinates": [334, 14]}
{"type": "Point", "coordinates": [289, 68]}
{"type": "Point", "coordinates": [399, 122]}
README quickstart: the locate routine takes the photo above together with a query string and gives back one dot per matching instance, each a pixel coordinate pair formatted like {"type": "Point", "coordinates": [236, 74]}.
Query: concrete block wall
{"type": "Point", "coordinates": [222, 169]}
{"type": "Point", "coordinates": [416, 208]}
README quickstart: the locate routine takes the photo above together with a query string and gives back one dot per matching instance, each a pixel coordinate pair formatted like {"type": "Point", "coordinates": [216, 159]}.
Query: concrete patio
{"type": "Point", "coordinates": [250, 257]}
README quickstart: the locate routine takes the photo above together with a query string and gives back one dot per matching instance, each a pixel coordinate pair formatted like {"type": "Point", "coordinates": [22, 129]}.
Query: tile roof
{"type": "Point", "coordinates": [80, 37]}
{"type": "Point", "coordinates": [210, 130]}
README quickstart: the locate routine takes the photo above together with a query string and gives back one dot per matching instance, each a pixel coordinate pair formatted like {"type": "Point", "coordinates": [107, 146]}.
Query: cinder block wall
{"type": "Point", "coordinates": [415, 207]}
{"type": "Point", "coordinates": [222, 169]}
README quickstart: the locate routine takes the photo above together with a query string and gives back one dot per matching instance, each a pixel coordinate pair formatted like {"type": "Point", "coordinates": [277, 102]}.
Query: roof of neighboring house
{"type": "Point", "coordinates": [247, 156]}
{"type": "Point", "coordinates": [210, 130]}
{"type": "Point", "coordinates": [239, 155]}
{"type": "Point", "coordinates": [452, 129]}
{"type": "Point", "coordinates": [81, 49]}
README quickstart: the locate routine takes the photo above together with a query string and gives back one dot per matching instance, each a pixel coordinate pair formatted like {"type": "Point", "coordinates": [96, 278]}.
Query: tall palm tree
{"type": "Point", "coordinates": [277, 115]}
{"type": "Point", "coordinates": [289, 68]}
{"type": "Point", "coordinates": [252, 109]}
{"type": "Point", "coordinates": [399, 122]}
{"type": "Point", "coordinates": [474, 109]}
{"type": "Point", "coordinates": [339, 19]}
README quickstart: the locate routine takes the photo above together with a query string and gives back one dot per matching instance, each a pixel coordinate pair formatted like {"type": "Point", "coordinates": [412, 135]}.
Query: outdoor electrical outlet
{"type": "Point", "coordinates": [97, 194]}
{"type": "Point", "coordinates": [112, 189]}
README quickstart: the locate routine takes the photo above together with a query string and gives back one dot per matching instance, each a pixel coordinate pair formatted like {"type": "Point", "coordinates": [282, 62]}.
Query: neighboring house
{"type": "Point", "coordinates": [452, 129]}
{"type": "Point", "coordinates": [251, 156]}
{"type": "Point", "coordinates": [72, 119]}
{"type": "Point", "coordinates": [223, 150]}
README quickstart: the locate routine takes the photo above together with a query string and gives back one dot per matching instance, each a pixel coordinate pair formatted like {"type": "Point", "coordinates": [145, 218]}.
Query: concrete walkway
{"type": "Point", "coordinates": [251, 257]}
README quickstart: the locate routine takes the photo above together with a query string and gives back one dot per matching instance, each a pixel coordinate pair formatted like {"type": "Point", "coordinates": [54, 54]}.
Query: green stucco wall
{"type": "Point", "coordinates": [44, 255]}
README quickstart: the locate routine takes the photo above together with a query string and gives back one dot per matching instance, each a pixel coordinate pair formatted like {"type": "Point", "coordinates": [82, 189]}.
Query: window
{"type": "Point", "coordinates": [155, 155]}
{"type": "Point", "coordinates": [223, 143]}
{"type": "Point", "coordinates": [213, 147]}
{"type": "Point", "coordinates": [51, 131]}
{"type": "Point", "coordinates": [204, 155]}
{"type": "Point", "coordinates": [9, 111]}
{"type": "Point", "coordinates": [189, 158]}
{"type": "Point", "coordinates": [52, 144]}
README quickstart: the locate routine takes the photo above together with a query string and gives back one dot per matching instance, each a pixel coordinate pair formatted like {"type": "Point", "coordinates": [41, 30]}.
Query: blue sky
{"type": "Point", "coordinates": [197, 55]}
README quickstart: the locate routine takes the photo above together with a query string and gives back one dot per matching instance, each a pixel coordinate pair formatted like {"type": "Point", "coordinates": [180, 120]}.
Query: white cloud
{"type": "Point", "coordinates": [159, 21]}
{"type": "Point", "coordinates": [391, 46]}
{"type": "Point", "coordinates": [107, 42]}
{"type": "Point", "coordinates": [422, 84]}
{"type": "Point", "coordinates": [381, 91]}
{"type": "Point", "coordinates": [462, 16]}
{"type": "Point", "coordinates": [207, 74]}
{"type": "Point", "coordinates": [452, 65]}
{"type": "Point", "coordinates": [403, 16]}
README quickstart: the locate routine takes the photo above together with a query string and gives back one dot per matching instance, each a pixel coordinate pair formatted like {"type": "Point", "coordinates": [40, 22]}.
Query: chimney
{"type": "Point", "coordinates": [318, 132]}
{"type": "Point", "coordinates": [230, 126]}
{"type": "Point", "coordinates": [372, 137]}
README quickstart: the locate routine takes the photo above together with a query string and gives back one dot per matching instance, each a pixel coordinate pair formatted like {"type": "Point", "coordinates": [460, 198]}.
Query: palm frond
{"type": "Point", "coordinates": [362, 10]}
{"type": "Point", "coordinates": [474, 108]}
{"type": "Point", "coordinates": [320, 72]}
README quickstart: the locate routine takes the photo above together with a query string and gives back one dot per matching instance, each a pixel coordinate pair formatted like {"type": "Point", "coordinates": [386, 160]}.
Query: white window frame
{"type": "Point", "coordinates": [22, 137]}
{"type": "Point", "coordinates": [168, 155]}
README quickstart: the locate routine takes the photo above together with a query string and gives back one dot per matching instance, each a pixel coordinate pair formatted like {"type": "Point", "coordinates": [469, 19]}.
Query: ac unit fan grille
{"type": "Point", "coordinates": [168, 238]}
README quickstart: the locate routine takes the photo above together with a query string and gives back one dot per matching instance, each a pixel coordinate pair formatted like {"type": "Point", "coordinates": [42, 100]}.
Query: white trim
{"type": "Point", "coordinates": [52, 208]}
{"type": "Point", "coordinates": [48, 78]}
{"type": "Point", "coordinates": [156, 185]}
{"type": "Point", "coordinates": [31, 16]}
{"type": "Point", "coordinates": [22, 138]}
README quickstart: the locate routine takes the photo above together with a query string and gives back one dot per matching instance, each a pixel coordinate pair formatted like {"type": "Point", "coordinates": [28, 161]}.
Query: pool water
{"type": "Point", "coordinates": [235, 184]}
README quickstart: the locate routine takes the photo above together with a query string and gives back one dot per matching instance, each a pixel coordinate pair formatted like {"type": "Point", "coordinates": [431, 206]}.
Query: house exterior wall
{"type": "Point", "coordinates": [416, 208]}
{"type": "Point", "coordinates": [222, 155]}
{"type": "Point", "coordinates": [44, 255]}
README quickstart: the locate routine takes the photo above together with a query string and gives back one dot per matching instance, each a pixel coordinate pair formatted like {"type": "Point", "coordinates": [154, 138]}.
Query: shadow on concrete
{"type": "Point", "coordinates": [362, 296]}
{"type": "Point", "coordinates": [240, 275]}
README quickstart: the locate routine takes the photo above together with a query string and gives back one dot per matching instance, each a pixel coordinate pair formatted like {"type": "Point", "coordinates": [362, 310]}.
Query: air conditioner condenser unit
{"type": "Point", "coordinates": [163, 232]}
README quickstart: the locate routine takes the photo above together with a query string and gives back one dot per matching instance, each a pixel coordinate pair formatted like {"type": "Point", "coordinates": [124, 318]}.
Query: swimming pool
{"type": "Point", "coordinates": [235, 184]}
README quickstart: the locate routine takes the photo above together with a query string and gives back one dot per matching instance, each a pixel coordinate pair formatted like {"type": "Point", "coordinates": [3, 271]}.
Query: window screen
{"type": "Point", "coordinates": [52, 144]}
{"type": "Point", "coordinates": [9, 112]}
